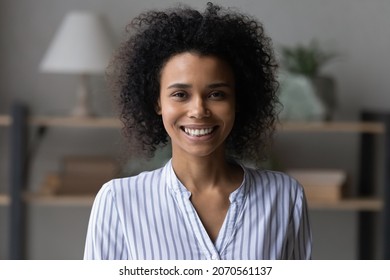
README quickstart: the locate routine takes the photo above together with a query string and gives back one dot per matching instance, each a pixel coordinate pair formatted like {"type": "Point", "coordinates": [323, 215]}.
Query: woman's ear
{"type": "Point", "coordinates": [157, 107]}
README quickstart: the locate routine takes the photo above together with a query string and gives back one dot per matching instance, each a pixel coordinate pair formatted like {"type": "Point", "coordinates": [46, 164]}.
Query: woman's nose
{"type": "Point", "coordinates": [198, 109]}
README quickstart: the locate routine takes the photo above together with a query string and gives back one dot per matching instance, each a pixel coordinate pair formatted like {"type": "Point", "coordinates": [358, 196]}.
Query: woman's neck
{"type": "Point", "coordinates": [205, 173]}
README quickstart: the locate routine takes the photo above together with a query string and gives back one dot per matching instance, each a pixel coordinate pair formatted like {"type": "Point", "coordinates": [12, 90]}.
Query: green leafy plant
{"type": "Point", "coordinates": [307, 60]}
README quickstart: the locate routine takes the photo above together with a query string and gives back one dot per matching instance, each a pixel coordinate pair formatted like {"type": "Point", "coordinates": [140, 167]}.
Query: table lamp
{"type": "Point", "coordinates": [82, 46]}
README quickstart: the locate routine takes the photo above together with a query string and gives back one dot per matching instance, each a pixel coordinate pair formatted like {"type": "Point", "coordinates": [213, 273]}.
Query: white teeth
{"type": "Point", "coordinates": [198, 132]}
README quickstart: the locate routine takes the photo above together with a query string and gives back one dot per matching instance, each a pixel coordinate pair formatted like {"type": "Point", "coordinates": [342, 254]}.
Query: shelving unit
{"type": "Point", "coordinates": [372, 125]}
{"type": "Point", "coordinates": [365, 203]}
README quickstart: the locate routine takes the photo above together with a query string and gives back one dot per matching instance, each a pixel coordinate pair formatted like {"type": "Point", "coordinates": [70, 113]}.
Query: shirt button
{"type": "Point", "coordinates": [214, 257]}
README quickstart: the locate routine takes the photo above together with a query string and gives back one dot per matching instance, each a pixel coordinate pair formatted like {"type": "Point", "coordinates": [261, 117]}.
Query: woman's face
{"type": "Point", "coordinates": [197, 103]}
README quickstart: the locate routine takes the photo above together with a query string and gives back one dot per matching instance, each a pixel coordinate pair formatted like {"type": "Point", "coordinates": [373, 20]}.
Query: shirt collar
{"type": "Point", "coordinates": [176, 186]}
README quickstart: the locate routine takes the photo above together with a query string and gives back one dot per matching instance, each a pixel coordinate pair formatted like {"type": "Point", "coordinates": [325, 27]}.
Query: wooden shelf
{"type": "Point", "coordinates": [105, 122]}
{"type": "Point", "coordinates": [59, 200]}
{"type": "Point", "coordinates": [4, 200]}
{"type": "Point", "coordinates": [356, 204]}
{"type": "Point", "coordinates": [358, 127]}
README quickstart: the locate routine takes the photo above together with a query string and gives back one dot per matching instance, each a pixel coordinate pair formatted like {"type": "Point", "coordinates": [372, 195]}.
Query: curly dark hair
{"type": "Point", "coordinates": [156, 36]}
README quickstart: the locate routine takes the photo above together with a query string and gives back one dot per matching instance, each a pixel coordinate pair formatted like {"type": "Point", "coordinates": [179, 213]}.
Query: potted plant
{"type": "Point", "coordinates": [308, 60]}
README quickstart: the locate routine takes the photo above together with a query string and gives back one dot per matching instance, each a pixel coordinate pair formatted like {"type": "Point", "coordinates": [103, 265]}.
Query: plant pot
{"type": "Point", "coordinates": [299, 99]}
{"type": "Point", "coordinates": [325, 88]}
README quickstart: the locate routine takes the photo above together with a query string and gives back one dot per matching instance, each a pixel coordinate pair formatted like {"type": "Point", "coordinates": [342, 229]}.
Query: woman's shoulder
{"type": "Point", "coordinates": [272, 178]}
{"type": "Point", "coordinates": [274, 185]}
{"type": "Point", "coordinates": [132, 183]}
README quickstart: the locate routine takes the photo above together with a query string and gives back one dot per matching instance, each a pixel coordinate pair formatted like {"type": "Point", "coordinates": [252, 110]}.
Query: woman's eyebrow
{"type": "Point", "coordinates": [211, 86]}
{"type": "Point", "coordinates": [179, 85]}
{"type": "Point", "coordinates": [218, 85]}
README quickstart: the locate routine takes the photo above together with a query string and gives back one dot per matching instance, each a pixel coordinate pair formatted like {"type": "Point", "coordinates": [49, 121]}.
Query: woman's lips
{"type": "Point", "coordinates": [198, 131]}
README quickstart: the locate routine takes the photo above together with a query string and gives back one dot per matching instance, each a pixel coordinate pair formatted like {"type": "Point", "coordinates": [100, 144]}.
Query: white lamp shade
{"type": "Point", "coordinates": [81, 45]}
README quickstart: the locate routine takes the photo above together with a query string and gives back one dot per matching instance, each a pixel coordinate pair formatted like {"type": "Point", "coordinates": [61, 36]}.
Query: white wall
{"type": "Point", "coordinates": [358, 29]}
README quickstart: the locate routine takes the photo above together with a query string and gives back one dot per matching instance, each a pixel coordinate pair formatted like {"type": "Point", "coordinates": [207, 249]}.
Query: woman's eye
{"type": "Point", "coordinates": [217, 95]}
{"type": "Point", "coordinates": [179, 95]}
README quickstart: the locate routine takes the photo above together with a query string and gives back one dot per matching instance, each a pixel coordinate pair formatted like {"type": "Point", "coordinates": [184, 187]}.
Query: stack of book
{"type": "Point", "coordinates": [80, 175]}
{"type": "Point", "coordinates": [321, 184]}
{"type": "Point", "coordinates": [86, 174]}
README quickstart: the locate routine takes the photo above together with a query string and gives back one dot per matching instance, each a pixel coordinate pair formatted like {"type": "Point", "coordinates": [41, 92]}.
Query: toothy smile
{"type": "Point", "coordinates": [198, 132]}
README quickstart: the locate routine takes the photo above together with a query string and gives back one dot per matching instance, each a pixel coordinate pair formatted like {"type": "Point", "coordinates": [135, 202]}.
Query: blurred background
{"type": "Point", "coordinates": [356, 31]}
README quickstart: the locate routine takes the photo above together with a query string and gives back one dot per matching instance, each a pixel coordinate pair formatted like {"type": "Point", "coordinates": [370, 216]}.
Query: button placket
{"type": "Point", "coordinates": [193, 222]}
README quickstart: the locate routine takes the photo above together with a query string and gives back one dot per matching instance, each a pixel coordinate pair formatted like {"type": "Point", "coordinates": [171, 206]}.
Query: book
{"type": "Point", "coordinates": [321, 184]}
{"type": "Point", "coordinates": [85, 174]}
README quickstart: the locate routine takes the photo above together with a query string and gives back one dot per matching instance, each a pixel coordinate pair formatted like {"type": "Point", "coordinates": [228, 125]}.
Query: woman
{"type": "Point", "coordinates": [205, 83]}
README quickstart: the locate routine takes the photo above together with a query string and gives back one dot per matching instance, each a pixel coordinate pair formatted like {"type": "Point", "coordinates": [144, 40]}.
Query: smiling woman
{"type": "Point", "coordinates": [205, 81]}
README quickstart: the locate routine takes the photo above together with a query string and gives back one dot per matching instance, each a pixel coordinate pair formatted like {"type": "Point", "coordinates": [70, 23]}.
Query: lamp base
{"type": "Point", "coordinates": [81, 112]}
{"type": "Point", "coordinates": [82, 109]}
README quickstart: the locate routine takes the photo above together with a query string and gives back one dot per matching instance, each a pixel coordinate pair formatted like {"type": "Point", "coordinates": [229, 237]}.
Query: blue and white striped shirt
{"type": "Point", "coordinates": [150, 216]}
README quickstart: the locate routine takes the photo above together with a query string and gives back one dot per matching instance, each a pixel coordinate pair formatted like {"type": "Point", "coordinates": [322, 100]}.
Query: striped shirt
{"type": "Point", "coordinates": [150, 216]}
